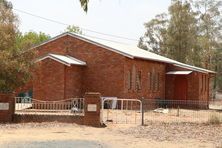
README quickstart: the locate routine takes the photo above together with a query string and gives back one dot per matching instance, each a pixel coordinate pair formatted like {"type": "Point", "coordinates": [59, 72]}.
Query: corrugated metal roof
{"type": "Point", "coordinates": [179, 72]}
{"type": "Point", "coordinates": [67, 60]}
{"type": "Point", "coordinates": [124, 49]}
{"type": "Point", "coordinates": [194, 68]}
{"type": "Point", "coordinates": [129, 51]}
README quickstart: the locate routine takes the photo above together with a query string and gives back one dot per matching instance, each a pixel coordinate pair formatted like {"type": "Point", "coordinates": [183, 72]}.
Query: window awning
{"type": "Point", "coordinates": [179, 72]}
{"type": "Point", "coordinates": [66, 60]}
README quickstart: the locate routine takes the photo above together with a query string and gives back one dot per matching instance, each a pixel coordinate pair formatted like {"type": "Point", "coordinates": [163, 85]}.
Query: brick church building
{"type": "Point", "coordinates": [69, 65]}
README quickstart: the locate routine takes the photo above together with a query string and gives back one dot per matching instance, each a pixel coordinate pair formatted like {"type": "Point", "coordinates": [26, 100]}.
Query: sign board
{"type": "Point", "coordinates": [4, 106]}
{"type": "Point", "coordinates": [92, 107]}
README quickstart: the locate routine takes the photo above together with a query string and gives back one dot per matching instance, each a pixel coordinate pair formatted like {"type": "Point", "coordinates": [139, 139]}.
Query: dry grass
{"type": "Point", "coordinates": [214, 119]}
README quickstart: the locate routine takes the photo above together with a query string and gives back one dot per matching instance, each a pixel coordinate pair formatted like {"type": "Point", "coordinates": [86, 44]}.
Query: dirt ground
{"type": "Point", "coordinates": [40, 135]}
{"type": "Point", "coordinates": [172, 116]}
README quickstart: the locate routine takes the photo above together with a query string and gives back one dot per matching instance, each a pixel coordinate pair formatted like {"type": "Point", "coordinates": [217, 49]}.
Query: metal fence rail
{"type": "Point", "coordinates": [116, 110]}
{"type": "Point", "coordinates": [22, 103]}
{"type": "Point", "coordinates": [72, 106]}
{"type": "Point", "coordinates": [180, 111]}
{"type": "Point", "coordinates": [188, 104]}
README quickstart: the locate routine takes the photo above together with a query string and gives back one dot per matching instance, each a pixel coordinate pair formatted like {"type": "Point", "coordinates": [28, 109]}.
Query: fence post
{"type": "Point", "coordinates": [92, 108]}
{"type": "Point", "coordinates": [178, 111]}
{"type": "Point", "coordinates": [7, 107]}
{"type": "Point", "coordinates": [142, 100]}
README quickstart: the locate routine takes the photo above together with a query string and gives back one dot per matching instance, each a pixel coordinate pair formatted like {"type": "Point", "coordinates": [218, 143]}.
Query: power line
{"type": "Point", "coordinates": [61, 23]}
{"type": "Point", "coordinates": [104, 39]}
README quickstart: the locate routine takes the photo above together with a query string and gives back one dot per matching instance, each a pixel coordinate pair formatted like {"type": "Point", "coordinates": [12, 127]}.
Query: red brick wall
{"type": "Point", "coordinates": [193, 86]}
{"type": "Point", "coordinates": [7, 115]}
{"type": "Point", "coordinates": [48, 83]}
{"type": "Point", "coordinates": [25, 118]}
{"type": "Point", "coordinates": [73, 81]}
{"type": "Point", "coordinates": [104, 71]}
{"type": "Point", "coordinates": [145, 67]}
{"type": "Point", "coordinates": [170, 80]}
{"type": "Point", "coordinates": [203, 90]}
{"type": "Point", "coordinates": [57, 46]}
{"type": "Point", "coordinates": [194, 90]}
{"type": "Point", "coordinates": [92, 118]}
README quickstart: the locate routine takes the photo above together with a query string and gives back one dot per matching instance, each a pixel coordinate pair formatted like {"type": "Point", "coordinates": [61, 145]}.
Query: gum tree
{"type": "Point", "coordinates": [14, 64]}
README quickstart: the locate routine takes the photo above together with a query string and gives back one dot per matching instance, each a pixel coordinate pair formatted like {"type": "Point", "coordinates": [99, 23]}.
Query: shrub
{"type": "Point", "coordinates": [214, 119]}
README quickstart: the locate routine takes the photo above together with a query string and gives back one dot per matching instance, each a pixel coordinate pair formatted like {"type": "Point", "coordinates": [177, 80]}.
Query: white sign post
{"type": "Point", "coordinates": [4, 106]}
{"type": "Point", "coordinates": [92, 107]}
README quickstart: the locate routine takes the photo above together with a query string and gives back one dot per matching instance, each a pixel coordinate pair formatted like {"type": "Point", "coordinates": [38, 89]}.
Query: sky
{"type": "Point", "coordinates": [123, 18]}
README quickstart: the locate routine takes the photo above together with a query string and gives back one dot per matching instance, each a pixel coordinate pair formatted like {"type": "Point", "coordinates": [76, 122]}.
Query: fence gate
{"type": "Point", "coordinates": [71, 106]}
{"type": "Point", "coordinates": [126, 111]}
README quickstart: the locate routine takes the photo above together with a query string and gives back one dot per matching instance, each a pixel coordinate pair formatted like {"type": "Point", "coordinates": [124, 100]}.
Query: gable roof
{"type": "Point", "coordinates": [66, 60]}
{"type": "Point", "coordinates": [127, 51]}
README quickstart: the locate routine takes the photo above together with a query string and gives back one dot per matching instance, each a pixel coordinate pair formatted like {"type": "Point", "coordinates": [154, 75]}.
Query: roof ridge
{"type": "Point", "coordinates": [128, 51]}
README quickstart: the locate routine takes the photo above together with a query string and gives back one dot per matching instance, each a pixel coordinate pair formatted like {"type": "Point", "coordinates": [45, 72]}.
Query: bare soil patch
{"type": "Point", "coordinates": [178, 132]}
{"type": "Point", "coordinates": [155, 134]}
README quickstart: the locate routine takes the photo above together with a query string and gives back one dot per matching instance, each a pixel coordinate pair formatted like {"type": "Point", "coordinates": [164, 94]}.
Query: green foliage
{"type": "Point", "coordinates": [84, 4]}
{"type": "Point", "coordinates": [16, 60]}
{"type": "Point", "coordinates": [218, 67]}
{"type": "Point", "coordinates": [154, 36]}
{"type": "Point", "coordinates": [181, 32]}
{"type": "Point", "coordinates": [8, 29]}
{"type": "Point", "coordinates": [74, 29]}
{"type": "Point", "coordinates": [219, 81]}
{"type": "Point", "coordinates": [6, 4]}
{"type": "Point", "coordinates": [209, 26]}
{"type": "Point", "coordinates": [29, 39]}
{"type": "Point", "coordinates": [210, 36]}
{"type": "Point", "coordinates": [14, 70]}
{"type": "Point", "coordinates": [8, 26]}
{"type": "Point", "coordinates": [191, 32]}
{"type": "Point", "coordinates": [173, 35]}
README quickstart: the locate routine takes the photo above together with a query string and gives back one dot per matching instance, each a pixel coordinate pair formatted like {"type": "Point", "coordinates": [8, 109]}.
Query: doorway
{"type": "Point", "coordinates": [180, 87]}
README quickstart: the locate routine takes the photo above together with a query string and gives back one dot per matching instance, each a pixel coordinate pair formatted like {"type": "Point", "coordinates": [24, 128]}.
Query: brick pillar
{"type": "Point", "coordinates": [92, 109]}
{"type": "Point", "coordinates": [7, 107]}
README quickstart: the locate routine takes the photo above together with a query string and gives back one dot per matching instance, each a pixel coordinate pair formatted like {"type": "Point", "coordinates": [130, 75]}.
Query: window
{"type": "Point", "coordinates": [202, 84]}
{"type": "Point", "coordinates": [148, 80]}
{"type": "Point", "coordinates": [151, 80]}
{"type": "Point", "coordinates": [129, 80]}
{"type": "Point", "coordinates": [158, 81]}
{"type": "Point", "coordinates": [206, 83]}
{"type": "Point", "coordinates": [133, 78]}
{"type": "Point", "coordinates": [154, 81]}
{"type": "Point", "coordinates": [138, 80]}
